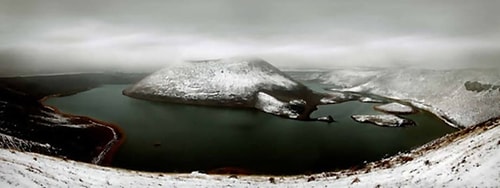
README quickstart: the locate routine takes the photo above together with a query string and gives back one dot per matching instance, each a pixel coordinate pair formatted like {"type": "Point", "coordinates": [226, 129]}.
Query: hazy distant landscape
{"type": "Point", "coordinates": [59, 36]}
{"type": "Point", "coordinates": [297, 93]}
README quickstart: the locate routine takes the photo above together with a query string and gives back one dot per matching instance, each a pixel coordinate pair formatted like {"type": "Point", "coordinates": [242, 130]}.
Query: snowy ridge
{"type": "Point", "coordinates": [469, 161]}
{"type": "Point", "coordinates": [442, 92]}
{"type": "Point", "coordinates": [56, 120]}
{"type": "Point", "coordinates": [7, 141]}
{"type": "Point", "coordinates": [234, 79]}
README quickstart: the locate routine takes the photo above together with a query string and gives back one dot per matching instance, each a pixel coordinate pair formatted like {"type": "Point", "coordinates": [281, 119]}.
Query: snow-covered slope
{"type": "Point", "coordinates": [27, 125]}
{"type": "Point", "coordinates": [240, 82]}
{"type": "Point", "coordinates": [235, 80]}
{"type": "Point", "coordinates": [269, 104]}
{"type": "Point", "coordinates": [443, 92]}
{"type": "Point", "coordinates": [470, 158]}
{"type": "Point", "coordinates": [7, 141]}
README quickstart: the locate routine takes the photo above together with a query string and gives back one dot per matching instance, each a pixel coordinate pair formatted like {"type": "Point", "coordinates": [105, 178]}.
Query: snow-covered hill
{"type": "Point", "coordinates": [443, 92]}
{"type": "Point", "coordinates": [234, 79]}
{"type": "Point", "coordinates": [235, 82]}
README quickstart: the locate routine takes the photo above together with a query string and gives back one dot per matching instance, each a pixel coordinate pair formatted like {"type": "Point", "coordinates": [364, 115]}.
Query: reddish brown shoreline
{"type": "Point", "coordinates": [119, 134]}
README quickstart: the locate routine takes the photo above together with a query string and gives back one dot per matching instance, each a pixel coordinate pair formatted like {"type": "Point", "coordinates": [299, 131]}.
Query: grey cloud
{"type": "Point", "coordinates": [131, 35]}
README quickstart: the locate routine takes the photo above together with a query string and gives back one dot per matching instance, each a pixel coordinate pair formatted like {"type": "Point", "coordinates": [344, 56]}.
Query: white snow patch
{"type": "Point", "coordinates": [337, 97]}
{"type": "Point", "coordinates": [369, 100]}
{"type": "Point", "coordinates": [386, 120]}
{"type": "Point", "coordinates": [328, 100]}
{"type": "Point", "coordinates": [269, 104]}
{"type": "Point", "coordinates": [395, 107]}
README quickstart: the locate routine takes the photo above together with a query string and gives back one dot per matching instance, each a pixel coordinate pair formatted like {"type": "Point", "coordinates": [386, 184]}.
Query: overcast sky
{"type": "Point", "coordinates": [52, 36]}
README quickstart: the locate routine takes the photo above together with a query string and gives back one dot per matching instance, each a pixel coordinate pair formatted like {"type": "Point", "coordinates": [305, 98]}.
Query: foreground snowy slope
{"type": "Point", "coordinates": [470, 157]}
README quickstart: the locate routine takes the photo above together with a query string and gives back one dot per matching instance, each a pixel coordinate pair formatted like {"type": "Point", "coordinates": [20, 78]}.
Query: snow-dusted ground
{"type": "Point", "coordinates": [396, 108]}
{"type": "Point", "coordinates": [338, 97]}
{"type": "Point", "coordinates": [269, 104]}
{"type": "Point", "coordinates": [384, 120]}
{"type": "Point", "coordinates": [442, 92]}
{"type": "Point", "coordinates": [469, 159]}
{"type": "Point", "coordinates": [369, 100]}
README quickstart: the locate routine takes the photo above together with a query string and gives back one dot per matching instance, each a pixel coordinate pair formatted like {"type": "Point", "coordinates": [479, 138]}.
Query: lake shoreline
{"type": "Point", "coordinates": [244, 123]}
{"type": "Point", "coordinates": [26, 117]}
{"type": "Point", "coordinates": [110, 149]}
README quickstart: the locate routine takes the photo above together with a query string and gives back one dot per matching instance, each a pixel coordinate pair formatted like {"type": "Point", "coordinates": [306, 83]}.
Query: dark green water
{"type": "Point", "coordinates": [184, 138]}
